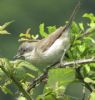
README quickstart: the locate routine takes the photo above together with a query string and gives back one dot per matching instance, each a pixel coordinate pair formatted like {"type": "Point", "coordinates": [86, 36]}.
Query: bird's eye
{"type": "Point", "coordinates": [24, 50]}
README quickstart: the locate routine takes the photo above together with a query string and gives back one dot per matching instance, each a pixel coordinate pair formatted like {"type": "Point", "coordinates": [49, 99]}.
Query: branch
{"type": "Point", "coordinates": [39, 79]}
{"type": "Point", "coordinates": [87, 32]}
{"type": "Point", "coordinates": [81, 61]}
{"type": "Point", "coordinates": [17, 83]}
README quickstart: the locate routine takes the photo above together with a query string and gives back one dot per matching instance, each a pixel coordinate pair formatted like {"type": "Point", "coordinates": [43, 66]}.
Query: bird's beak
{"type": "Point", "coordinates": [17, 56]}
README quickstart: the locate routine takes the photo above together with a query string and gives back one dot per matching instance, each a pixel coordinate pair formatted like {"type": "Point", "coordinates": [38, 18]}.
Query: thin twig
{"type": "Point", "coordinates": [86, 33]}
{"type": "Point", "coordinates": [80, 77]}
{"type": "Point", "coordinates": [40, 78]}
{"type": "Point", "coordinates": [57, 65]}
{"type": "Point", "coordinates": [80, 61]}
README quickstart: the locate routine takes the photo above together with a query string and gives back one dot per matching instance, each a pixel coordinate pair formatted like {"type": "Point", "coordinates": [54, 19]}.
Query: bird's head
{"type": "Point", "coordinates": [24, 49]}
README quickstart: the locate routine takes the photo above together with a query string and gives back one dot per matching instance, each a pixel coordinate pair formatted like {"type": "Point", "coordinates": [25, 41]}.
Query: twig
{"type": "Point", "coordinates": [57, 65]}
{"type": "Point", "coordinates": [81, 61]}
{"type": "Point", "coordinates": [40, 78]}
{"type": "Point", "coordinates": [87, 32]}
{"type": "Point", "coordinates": [80, 77]}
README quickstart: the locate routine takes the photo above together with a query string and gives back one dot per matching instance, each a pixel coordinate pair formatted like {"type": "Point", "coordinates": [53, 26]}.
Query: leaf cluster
{"type": "Point", "coordinates": [56, 85]}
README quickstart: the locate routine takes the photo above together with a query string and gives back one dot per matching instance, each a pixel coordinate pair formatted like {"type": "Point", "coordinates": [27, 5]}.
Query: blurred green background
{"type": "Point", "coordinates": [31, 13]}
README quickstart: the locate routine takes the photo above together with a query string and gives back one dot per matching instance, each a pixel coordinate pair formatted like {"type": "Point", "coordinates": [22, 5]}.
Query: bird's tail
{"type": "Point", "coordinates": [68, 25]}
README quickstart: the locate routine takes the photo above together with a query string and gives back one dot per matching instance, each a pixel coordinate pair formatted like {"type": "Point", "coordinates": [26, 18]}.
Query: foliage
{"type": "Point", "coordinates": [2, 28]}
{"type": "Point", "coordinates": [20, 73]}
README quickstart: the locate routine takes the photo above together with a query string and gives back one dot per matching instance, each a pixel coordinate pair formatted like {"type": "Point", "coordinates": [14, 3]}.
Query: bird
{"type": "Point", "coordinates": [49, 50]}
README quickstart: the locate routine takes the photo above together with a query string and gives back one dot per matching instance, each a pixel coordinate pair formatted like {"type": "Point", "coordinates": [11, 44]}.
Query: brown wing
{"type": "Point", "coordinates": [47, 42]}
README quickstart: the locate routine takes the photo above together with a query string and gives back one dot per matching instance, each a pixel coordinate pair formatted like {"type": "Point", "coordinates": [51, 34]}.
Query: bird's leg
{"type": "Point", "coordinates": [62, 58]}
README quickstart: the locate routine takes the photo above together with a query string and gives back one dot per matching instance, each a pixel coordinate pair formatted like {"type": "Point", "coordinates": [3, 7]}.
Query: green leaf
{"type": "Point", "coordinates": [91, 29]}
{"type": "Point", "coordinates": [89, 80]}
{"type": "Point", "coordinates": [3, 77]}
{"type": "Point", "coordinates": [6, 90]}
{"type": "Point", "coordinates": [90, 16]}
{"type": "Point", "coordinates": [6, 65]}
{"type": "Point", "coordinates": [81, 26]}
{"type": "Point", "coordinates": [21, 98]}
{"type": "Point", "coordinates": [75, 28]}
{"type": "Point", "coordinates": [42, 30]}
{"type": "Point", "coordinates": [20, 63]}
{"type": "Point", "coordinates": [21, 35]}
{"type": "Point", "coordinates": [46, 97]}
{"type": "Point", "coordinates": [87, 68]}
{"type": "Point", "coordinates": [2, 28]}
{"type": "Point", "coordinates": [35, 36]}
{"type": "Point", "coordinates": [61, 76]}
{"type": "Point", "coordinates": [92, 96]}
{"type": "Point", "coordinates": [92, 21]}
{"type": "Point", "coordinates": [89, 40]}
{"type": "Point", "coordinates": [81, 48]}
{"type": "Point", "coordinates": [58, 79]}
{"type": "Point", "coordinates": [4, 32]}
{"type": "Point", "coordinates": [5, 25]}
{"type": "Point", "coordinates": [51, 29]}
{"type": "Point", "coordinates": [24, 70]}
{"type": "Point", "coordinates": [25, 35]}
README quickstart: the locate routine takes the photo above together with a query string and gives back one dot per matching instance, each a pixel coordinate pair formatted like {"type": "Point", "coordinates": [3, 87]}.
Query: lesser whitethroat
{"type": "Point", "coordinates": [48, 50]}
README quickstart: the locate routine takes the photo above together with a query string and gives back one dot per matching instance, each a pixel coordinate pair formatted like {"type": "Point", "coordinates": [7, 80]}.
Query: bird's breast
{"type": "Point", "coordinates": [51, 55]}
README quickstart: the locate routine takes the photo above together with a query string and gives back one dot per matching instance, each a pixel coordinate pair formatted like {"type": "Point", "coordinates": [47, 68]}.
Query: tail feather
{"type": "Point", "coordinates": [68, 25]}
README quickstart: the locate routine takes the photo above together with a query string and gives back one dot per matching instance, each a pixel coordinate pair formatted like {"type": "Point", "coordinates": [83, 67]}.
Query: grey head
{"type": "Point", "coordinates": [25, 47]}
